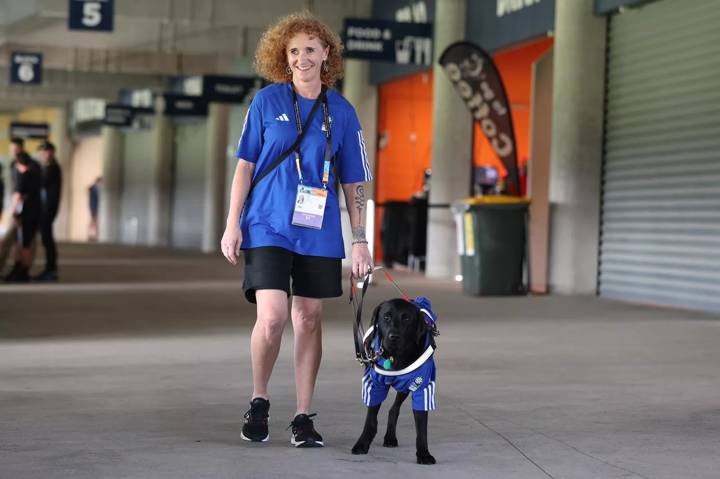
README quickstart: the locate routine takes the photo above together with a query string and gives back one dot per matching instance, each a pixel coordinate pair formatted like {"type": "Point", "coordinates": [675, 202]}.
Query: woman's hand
{"type": "Point", "coordinates": [362, 262]}
{"type": "Point", "coordinates": [230, 243]}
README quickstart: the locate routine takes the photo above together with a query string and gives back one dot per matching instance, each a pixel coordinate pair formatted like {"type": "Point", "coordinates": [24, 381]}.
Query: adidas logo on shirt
{"type": "Point", "coordinates": [282, 117]}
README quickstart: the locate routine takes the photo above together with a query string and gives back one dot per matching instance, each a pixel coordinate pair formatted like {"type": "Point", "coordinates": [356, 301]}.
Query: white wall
{"type": "Point", "coordinates": [87, 166]}
{"type": "Point", "coordinates": [188, 190]}
{"type": "Point", "coordinates": [136, 187]}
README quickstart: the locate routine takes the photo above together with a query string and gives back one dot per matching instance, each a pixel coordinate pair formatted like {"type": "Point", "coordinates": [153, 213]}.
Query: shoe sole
{"type": "Point", "coordinates": [244, 437]}
{"type": "Point", "coordinates": [306, 444]}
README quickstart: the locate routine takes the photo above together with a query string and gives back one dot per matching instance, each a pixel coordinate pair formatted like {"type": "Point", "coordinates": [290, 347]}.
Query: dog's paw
{"type": "Point", "coordinates": [390, 442]}
{"type": "Point", "coordinates": [425, 458]}
{"type": "Point", "coordinates": [360, 448]}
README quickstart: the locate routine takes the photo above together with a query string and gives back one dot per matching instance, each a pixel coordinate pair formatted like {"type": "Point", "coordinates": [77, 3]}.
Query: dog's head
{"type": "Point", "coordinates": [399, 326]}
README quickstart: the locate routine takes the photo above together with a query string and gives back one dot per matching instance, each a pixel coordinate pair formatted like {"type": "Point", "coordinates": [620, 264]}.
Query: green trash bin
{"type": "Point", "coordinates": [493, 249]}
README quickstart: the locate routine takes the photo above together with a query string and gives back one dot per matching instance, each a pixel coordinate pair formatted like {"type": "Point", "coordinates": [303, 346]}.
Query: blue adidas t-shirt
{"type": "Point", "coordinates": [268, 131]}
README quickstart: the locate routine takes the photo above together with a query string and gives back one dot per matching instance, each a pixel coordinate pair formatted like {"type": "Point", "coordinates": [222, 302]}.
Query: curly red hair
{"type": "Point", "coordinates": [271, 57]}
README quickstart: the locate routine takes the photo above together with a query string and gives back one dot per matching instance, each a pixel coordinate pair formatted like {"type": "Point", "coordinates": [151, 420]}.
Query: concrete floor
{"type": "Point", "coordinates": [137, 366]}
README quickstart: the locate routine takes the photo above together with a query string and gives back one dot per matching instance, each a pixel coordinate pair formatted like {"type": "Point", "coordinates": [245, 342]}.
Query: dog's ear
{"type": "Point", "coordinates": [375, 322]}
{"type": "Point", "coordinates": [375, 313]}
{"type": "Point", "coordinates": [422, 328]}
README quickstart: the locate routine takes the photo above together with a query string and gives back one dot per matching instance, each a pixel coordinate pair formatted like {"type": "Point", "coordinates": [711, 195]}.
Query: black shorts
{"type": "Point", "coordinates": [269, 267]}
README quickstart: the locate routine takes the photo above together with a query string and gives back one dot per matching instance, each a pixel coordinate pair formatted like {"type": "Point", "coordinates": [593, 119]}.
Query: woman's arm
{"type": "Point", "coordinates": [232, 238]}
{"type": "Point", "coordinates": [356, 204]}
{"type": "Point", "coordinates": [15, 201]}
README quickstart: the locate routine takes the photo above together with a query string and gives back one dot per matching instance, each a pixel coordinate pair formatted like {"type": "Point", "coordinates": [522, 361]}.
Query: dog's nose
{"type": "Point", "coordinates": [393, 337]}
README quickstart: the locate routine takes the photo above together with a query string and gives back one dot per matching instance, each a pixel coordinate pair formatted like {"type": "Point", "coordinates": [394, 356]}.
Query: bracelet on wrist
{"type": "Point", "coordinates": [359, 242]}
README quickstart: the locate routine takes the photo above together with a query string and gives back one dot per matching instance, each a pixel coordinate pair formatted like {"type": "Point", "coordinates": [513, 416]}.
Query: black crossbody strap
{"type": "Point", "coordinates": [296, 145]}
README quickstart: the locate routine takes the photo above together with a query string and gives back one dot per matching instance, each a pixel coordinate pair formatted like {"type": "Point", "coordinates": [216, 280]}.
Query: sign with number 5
{"type": "Point", "coordinates": [91, 15]}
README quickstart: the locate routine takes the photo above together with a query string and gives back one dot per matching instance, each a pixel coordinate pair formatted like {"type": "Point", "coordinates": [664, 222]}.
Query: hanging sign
{"type": "Point", "coordinates": [184, 105]}
{"type": "Point", "coordinates": [26, 68]}
{"type": "Point", "coordinates": [476, 78]}
{"type": "Point", "coordinates": [40, 131]}
{"type": "Point", "coordinates": [91, 15]}
{"type": "Point", "coordinates": [226, 89]}
{"type": "Point", "coordinates": [118, 115]}
{"type": "Point", "coordinates": [397, 42]}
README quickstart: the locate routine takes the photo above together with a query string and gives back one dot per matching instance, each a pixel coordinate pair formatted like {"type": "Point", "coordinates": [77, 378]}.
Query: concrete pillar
{"type": "Point", "coordinates": [358, 90]}
{"type": "Point", "coordinates": [451, 146]}
{"type": "Point", "coordinates": [576, 152]}
{"type": "Point", "coordinates": [363, 96]}
{"type": "Point", "coordinates": [63, 152]}
{"type": "Point", "coordinates": [215, 165]}
{"type": "Point", "coordinates": [159, 202]}
{"type": "Point", "coordinates": [111, 190]}
{"type": "Point", "coordinates": [539, 171]}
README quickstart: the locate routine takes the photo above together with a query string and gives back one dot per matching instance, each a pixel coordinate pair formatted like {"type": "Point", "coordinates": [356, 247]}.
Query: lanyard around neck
{"type": "Point", "coordinates": [328, 142]}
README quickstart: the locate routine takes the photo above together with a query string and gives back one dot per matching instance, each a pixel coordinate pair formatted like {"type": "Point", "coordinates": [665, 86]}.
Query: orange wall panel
{"type": "Point", "coordinates": [515, 67]}
{"type": "Point", "coordinates": [405, 141]}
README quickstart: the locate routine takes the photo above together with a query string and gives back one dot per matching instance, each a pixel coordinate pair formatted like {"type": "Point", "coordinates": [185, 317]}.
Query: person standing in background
{"type": "Point", "coordinates": [52, 186]}
{"type": "Point", "coordinates": [27, 207]}
{"type": "Point", "coordinates": [16, 148]}
{"type": "Point", "coordinates": [94, 204]}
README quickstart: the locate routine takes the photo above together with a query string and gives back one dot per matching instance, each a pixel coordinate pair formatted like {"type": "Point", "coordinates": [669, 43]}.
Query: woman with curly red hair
{"type": "Point", "coordinates": [300, 139]}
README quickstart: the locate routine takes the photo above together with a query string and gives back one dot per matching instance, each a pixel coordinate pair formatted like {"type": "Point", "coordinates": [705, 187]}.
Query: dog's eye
{"type": "Point", "coordinates": [387, 317]}
{"type": "Point", "coordinates": [405, 318]}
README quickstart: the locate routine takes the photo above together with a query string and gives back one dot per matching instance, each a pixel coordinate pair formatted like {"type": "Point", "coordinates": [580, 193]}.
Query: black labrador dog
{"type": "Point", "coordinates": [404, 336]}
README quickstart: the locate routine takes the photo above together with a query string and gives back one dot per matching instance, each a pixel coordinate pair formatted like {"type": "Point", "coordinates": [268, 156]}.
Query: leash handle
{"type": "Point", "coordinates": [366, 281]}
{"type": "Point", "coordinates": [361, 349]}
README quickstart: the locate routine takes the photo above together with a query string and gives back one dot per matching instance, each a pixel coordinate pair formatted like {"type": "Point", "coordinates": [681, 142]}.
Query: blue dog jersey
{"type": "Point", "coordinates": [268, 131]}
{"type": "Point", "coordinates": [418, 379]}
{"type": "Point", "coordinates": [420, 382]}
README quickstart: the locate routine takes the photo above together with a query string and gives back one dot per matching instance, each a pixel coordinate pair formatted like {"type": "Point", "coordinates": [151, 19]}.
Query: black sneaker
{"type": "Point", "coordinates": [255, 428]}
{"type": "Point", "coordinates": [19, 274]}
{"type": "Point", "coordinates": [47, 276]}
{"type": "Point", "coordinates": [303, 432]}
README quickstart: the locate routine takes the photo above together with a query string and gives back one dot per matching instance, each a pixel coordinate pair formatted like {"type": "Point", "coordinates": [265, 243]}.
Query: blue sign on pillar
{"type": "Point", "coordinates": [26, 68]}
{"type": "Point", "coordinates": [92, 15]}
{"type": "Point", "coordinates": [398, 42]}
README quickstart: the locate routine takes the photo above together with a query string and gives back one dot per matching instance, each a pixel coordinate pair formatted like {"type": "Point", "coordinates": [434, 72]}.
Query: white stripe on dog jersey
{"type": "Point", "coordinates": [368, 387]}
{"type": "Point", "coordinates": [432, 396]}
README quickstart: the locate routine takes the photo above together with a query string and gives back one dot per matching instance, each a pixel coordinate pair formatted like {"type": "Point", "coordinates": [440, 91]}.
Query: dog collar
{"type": "Point", "coordinates": [415, 365]}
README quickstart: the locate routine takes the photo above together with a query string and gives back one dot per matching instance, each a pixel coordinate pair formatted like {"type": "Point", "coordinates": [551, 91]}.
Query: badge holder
{"type": "Point", "coordinates": [310, 202]}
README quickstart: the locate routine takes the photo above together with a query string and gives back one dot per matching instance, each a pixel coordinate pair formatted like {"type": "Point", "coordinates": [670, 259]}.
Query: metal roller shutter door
{"type": "Point", "coordinates": [660, 240]}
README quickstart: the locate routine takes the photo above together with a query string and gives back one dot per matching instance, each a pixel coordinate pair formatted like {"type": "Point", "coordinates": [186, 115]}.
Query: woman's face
{"type": "Point", "coordinates": [305, 55]}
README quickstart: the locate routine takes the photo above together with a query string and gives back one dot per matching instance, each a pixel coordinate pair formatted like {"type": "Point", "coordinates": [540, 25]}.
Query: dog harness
{"type": "Point", "coordinates": [417, 379]}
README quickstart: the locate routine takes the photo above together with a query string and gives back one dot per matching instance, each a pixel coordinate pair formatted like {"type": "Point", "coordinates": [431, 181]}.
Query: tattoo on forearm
{"type": "Point", "coordinates": [358, 233]}
{"type": "Point", "coordinates": [360, 199]}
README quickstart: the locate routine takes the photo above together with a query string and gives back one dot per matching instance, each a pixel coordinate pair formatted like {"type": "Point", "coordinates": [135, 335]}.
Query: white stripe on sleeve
{"type": "Point", "coordinates": [363, 152]}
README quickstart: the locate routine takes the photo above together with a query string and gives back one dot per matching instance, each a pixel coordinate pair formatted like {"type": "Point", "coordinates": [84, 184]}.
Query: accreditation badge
{"type": "Point", "coordinates": [309, 207]}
